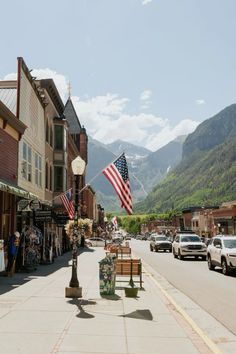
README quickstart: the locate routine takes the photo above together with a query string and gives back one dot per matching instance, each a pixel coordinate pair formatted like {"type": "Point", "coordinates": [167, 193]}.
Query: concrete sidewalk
{"type": "Point", "coordinates": [35, 316]}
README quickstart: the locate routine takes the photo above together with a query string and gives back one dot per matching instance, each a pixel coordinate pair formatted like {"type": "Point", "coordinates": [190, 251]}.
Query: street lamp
{"type": "Point", "coordinates": [78, 167]}
{"type": "Point", "coordinates": [105, 224]}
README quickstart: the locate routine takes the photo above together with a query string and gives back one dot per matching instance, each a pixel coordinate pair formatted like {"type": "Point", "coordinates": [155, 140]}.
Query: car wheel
{"type": "Point", "coordinates": [180, 255]}
{"type": "Point", "coordinates": [151, 249]}
{"type": "Point", "coordinates": [170, 250]}
{"type": "Point", "coordinates": [209, 263]}
{"type": "Point", "coordinates": [225, 268]}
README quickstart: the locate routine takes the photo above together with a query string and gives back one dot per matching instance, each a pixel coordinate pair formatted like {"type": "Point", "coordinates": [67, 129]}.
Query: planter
{"type": "Point", "coordinates": [131, 291]}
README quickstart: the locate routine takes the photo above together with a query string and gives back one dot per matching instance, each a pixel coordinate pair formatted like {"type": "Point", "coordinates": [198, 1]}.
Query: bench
{"type": "Point", "coordinates": [123, 269]}
{"type": "Point", "coordinates": [123, 252]}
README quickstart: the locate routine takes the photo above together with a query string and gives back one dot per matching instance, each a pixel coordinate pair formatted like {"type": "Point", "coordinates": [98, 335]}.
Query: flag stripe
{"type": "Point", "coordinates": [124, 203]}
{"type": "Point", "coordinates": [120, 186]}
{"type": "Point", "coordinates": [117, 174]}
{"type": "Point", "coordinates": [67, 201]}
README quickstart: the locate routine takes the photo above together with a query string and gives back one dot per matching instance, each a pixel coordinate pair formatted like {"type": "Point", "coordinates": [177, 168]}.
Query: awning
{"type": "Point", "coordinates": [20, 192]}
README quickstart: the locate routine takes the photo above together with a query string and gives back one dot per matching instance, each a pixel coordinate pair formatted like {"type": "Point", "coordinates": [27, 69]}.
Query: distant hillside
{"type": "Point", "coordinates": [207, 172]}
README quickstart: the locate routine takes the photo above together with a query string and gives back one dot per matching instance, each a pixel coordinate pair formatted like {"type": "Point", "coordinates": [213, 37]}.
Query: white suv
{"type": "Point", "coordinates": [221, 252]}
{"type": "Point", "coordinates": [188, 245]}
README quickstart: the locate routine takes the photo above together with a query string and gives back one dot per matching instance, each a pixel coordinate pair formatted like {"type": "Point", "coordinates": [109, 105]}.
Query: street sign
{"type": "Point", "coordinates": [23, 204]}
{"type": "Point", "coordinates": [35, 204]}
{"type": "Point", "coordinates": [43, 215]}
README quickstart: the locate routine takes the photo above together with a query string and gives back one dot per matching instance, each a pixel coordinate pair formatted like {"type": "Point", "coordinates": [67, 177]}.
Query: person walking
{"type": "Point", "coordinates": [13, 246]}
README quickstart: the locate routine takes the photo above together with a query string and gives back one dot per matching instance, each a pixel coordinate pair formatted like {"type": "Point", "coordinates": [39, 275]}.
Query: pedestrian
{"type": "Point", "coordinates": [12, 250]}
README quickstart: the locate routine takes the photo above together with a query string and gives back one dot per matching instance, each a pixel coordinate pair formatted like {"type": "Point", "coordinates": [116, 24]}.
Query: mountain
{"type": "Point", "coordinates": [145, 168]}
{"type": "Point", "coordinates": [153, 168]}
{"type": "Point", "coordinates": [207, 173]}
{"type": "Point", "coordinates": [132, 152]}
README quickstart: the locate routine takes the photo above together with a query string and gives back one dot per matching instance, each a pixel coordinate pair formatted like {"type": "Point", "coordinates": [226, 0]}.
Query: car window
{"type": "Point", "coordinates": [160, 238]}
{"type": "Point", "coordinates": [230, 243]}
{"type": "Point", "coordinates": [217, 242]}
{"type": "Point", "coordinates": [177, 239]}
{"type": "Point", "coordinates": [190, 239]}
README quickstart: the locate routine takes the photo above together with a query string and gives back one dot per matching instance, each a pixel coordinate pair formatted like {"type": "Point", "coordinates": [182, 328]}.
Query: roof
{"type": "Point", "coordinates": [72, 118]}
{"type": "Point", "coordinates": [8, 96]}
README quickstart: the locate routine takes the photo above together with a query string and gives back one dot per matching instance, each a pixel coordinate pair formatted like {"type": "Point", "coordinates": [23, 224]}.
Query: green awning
{"type": "Point", "coordinates": [20, 192]}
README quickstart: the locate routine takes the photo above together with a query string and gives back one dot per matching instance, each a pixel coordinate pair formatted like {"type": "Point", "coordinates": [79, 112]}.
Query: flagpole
{"type": "Point", "coordinates": [87, 184]}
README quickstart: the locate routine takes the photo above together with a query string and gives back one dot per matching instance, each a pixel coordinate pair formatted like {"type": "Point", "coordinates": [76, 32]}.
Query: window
{"type": "Point", "coordinates": [38, 170]}
{"type": "Point", "coordinates": [50, 179]}
{"type": "Point", "coordinates": [58, 143]}
{"type": "Point", "coordinates": [46, 176]}
{"type": "Point", "coordinates": [27, 162]}
{"type": "Point", "coordinates": [58, 178]}
{"type": "Point", "coordinates": [47, 132]}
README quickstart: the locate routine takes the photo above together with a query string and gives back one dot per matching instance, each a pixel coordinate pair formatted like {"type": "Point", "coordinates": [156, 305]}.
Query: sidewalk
{"type": "Point", "coordinates": [35, 316]}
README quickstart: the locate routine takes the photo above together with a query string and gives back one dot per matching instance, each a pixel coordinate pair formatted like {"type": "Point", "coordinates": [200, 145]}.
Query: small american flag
{"type": "Point", "coordinates": [118, 176]}
{"type": "Point", "coordinates": [67, 201]}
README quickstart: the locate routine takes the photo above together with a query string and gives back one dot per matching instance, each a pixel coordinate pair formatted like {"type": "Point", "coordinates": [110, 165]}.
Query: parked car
{"type": "Point", "coordinates": [221, 252]}
{"type": "Point", "coordinates": [95, 242]}
{"type": "Point", "coordinates": [188, 245]}
{"type": "Point", "coordinates": [160, 243]}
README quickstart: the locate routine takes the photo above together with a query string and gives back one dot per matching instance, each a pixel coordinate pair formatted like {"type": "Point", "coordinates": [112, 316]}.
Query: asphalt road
{"type": "Point", "coordinates": [211, 290]}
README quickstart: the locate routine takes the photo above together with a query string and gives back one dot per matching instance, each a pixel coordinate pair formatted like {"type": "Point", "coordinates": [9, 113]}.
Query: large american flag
{"type": "Point", "coordinates": [67, 201]}
{"type": "Point", "coordinates": [118, 176]}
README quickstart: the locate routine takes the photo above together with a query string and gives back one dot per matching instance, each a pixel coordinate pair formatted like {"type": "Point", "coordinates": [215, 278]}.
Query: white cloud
{"type": "Point", "coordinates": [200, 102]}
{"type": "Point", "coordinates": [60, 80]}
{"type": "Point", "coordinates": [11, 76]}
{"type": "Point", "coordinates": [145, 2]}
{"type": "Point", "coordinates": [106, 117]}
{"type": "Point", "coordinates": [145, 98]}
{"type": "Point", "coordinates": [169, 133]}
{"type": "Point", "coordinates": [146, 95]}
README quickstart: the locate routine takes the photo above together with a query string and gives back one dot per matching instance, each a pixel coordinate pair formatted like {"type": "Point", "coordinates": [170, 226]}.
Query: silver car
{"type": "Point", "coordinates": [160, 243]}
{"type": "Point", "coordinates": [95, 242]}
{"type": "Point", "coordinates": [189, 245]}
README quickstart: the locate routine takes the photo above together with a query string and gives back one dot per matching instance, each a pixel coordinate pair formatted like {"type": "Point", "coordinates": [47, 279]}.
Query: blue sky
{"type": "Point", "coordinates": [144, 71]}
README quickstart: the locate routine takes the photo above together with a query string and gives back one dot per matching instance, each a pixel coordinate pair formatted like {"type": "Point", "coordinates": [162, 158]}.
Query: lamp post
{"type": "Point", "coordinates": [78, 168]}
{"type": "Point", "coordinates": [105, 227]}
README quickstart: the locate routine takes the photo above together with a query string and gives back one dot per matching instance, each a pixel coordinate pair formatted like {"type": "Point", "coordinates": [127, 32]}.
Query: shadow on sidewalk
{"type": "Point", "coordinates": [80, 303]}
{"type": "Point", "coordinates": [140, 315]}
{"type": "Point", "coordinates": [43, 270]}
{"type": "Point", "coordinates": [111, 297]}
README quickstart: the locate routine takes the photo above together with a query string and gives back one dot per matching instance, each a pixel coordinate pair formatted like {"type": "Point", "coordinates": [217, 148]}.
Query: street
{"type": "Point", "coordinates": [211, 290]}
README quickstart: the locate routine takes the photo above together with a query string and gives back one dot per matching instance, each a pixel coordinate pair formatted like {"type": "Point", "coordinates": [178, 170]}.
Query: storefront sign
{"type": "Point", "coordinates": [43, 215]}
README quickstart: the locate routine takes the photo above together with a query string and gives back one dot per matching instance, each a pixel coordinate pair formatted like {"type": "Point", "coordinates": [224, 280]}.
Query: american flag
{"type": "Point", "coordinates": [118, 176]}
{"type": "Point", "coordinates": [67, 201]}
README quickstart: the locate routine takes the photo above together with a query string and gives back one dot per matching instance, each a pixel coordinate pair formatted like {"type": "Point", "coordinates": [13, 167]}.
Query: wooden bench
{"type": "Point", "coordinates": [123, 269]}
{"type": "Point", "coordinates": [123, 252]}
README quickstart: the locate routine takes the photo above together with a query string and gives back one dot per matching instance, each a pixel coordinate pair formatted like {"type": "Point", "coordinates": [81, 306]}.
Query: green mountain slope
{"type": "Point", "coordinates": [207, 173]}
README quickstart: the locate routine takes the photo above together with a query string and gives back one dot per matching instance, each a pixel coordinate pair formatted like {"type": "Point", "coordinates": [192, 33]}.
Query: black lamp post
{"type": "Point", "coordinates": [78, 168]}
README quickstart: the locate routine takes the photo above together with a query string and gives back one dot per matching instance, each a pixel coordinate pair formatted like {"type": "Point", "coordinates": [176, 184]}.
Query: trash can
{"type": "Point", "coordinates": [107, 275]}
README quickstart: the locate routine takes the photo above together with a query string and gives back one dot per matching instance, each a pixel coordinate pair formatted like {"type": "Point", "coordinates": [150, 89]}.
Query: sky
{"type": "Point", "coordinates": [144, 71]}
